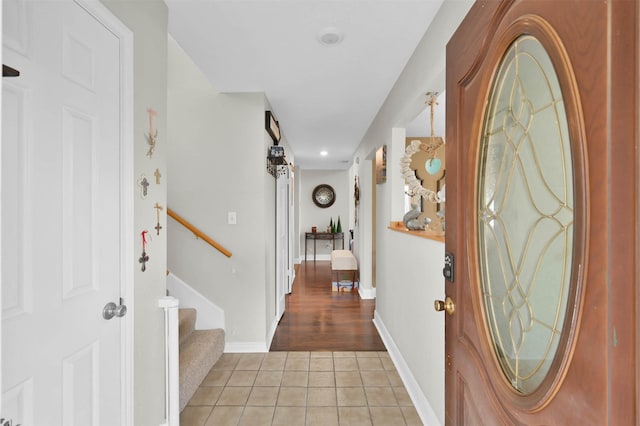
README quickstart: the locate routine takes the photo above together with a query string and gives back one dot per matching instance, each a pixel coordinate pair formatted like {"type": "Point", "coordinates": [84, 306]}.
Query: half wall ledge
{"type": "Point", "coordinates": [428, 234]}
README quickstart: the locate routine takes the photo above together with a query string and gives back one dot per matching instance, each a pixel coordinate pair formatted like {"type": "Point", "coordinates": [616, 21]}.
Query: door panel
{"type": "Point", "coordinates": [581, 383]}
{"type": "Point", "coordinates": [62, 223]}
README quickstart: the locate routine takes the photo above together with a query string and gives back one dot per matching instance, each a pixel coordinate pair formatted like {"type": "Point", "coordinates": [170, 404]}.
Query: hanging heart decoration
{"type": "Point", "coordinates": [415, 187]}
{"type": "Point", "coordinates": [433, 165]}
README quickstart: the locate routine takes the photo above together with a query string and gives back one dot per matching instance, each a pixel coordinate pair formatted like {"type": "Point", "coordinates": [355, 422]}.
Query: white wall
{"type": "Point", "coordinates": [405, 291]}
{"type": "Point", "coordinates": [269, 225]}
{"type": "Point", "coordinates": [148, 22]}
{"type": "Point", "coordinates": [363, 241]}
{"type": "Point", "coordinates": [409, 269]}
{"type": "Point", "coordinates": [217, 164]}
{"type": "Point", "coordinates": [312, 215]}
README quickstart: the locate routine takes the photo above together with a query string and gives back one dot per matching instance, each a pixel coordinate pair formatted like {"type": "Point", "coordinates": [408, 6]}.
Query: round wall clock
{"type": "Point", "coordinates": [323, 196]}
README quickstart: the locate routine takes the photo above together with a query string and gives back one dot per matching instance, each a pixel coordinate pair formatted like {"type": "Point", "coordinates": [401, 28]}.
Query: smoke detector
{"type": "Point", "coordinates": [330, 36]}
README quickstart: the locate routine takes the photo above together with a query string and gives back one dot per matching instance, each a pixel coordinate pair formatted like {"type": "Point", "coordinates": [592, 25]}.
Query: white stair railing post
{"type": "Point", "coordinates": [171, 359]}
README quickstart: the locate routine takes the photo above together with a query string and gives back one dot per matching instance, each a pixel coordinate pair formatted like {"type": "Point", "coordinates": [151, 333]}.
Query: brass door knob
{"type": "Point", "coordinates": [447, 305]}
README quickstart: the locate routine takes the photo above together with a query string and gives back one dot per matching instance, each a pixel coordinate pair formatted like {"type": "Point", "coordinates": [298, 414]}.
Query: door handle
{"type": "Point", "coordinates": [446, 305]}
{"type": "Point", "coordinates": [112, 310]}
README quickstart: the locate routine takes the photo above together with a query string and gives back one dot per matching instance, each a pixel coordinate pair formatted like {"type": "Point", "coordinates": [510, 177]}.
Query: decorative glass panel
{"type": "Point", "coordinates": [525, 214]}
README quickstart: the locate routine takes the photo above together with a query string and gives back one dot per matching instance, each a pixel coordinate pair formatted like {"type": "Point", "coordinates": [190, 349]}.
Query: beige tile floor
{"type": "Point", "coordinates": [301, 388]}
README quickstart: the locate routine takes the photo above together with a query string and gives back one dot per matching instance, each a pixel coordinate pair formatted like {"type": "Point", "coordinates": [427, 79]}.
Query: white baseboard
{"type": "Point", "coordinates": [367, 293]}
{"type": "Point", "coordinates": [292, 278]}
{"type": "Point", "coordinates": [272, 332]}
{"type": "Point", "coordinates": [421, 403]}
{"type": "Point", "coordinates": [299, 260]}
{"type": "Point", "coordinates": [245, 347]}
{"type": "Point", "coordinates": [318, 257]}
{"type": "Point", "coordinates": [249, 347]}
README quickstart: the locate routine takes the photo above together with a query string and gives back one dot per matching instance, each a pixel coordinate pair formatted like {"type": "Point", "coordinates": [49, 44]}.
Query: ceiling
{"type": "Point", "coordinates": [324, 96]}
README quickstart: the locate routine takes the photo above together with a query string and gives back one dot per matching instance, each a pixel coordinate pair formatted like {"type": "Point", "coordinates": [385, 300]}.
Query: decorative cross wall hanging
{"type": "Point", "coordinates": [144, 258]}
{"type": "Point", "coordinates": [158, 175]}
{"type": "Point", "coordinates": [152, 137]}
{"type": "Point", "coordinates": [158, 207]}
{"type": "Point", "coordinates": [143, 183]}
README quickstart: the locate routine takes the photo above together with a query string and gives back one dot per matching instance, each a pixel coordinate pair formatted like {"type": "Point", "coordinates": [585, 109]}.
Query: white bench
{"type": "Point", "coordinates": [344, 262]}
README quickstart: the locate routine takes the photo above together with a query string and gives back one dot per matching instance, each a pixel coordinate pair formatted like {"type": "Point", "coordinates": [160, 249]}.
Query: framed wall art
{"type": "Point", "coordinates": [272, 126]}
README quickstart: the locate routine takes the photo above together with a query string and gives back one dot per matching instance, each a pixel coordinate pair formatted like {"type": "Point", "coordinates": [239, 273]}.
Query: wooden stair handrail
{"type": "Point", "coordinates": [198, 233]}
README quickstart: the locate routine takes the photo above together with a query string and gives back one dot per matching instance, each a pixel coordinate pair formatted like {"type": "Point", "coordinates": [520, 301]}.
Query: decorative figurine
{"type": "Point", "coordinates": [411, 220]}
{"type": "Point", "coordinates": [441, 216]}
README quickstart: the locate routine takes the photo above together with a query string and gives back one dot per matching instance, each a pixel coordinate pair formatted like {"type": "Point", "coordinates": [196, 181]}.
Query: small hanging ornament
{"type": "Point", "coordinates": [433, 164]}
{"type": "Point", "coordinates": [158, 175]}
{"type": "Point", "coordinates": [152, 136]}
{"type": "Point", "coordinates": [143, 184]}
{"type": "Point", "coordinates": [158, 227]}
{"type": "Point", "coordinates": [144, 258]}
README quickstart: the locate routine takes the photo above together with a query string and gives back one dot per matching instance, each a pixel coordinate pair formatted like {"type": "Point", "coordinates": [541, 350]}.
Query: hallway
{"type": "Point", "coordinates": [327, 366]}
{"type": "Point", "coordinates": [318, 319]}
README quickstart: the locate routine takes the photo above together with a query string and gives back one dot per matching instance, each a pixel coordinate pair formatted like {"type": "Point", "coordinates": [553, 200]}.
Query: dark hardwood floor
{"type": "Point", "coordinates": [318, 319]}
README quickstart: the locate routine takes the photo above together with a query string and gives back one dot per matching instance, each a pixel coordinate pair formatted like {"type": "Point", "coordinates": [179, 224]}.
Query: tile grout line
{"type": "Point", "coordinates": [237, 362]}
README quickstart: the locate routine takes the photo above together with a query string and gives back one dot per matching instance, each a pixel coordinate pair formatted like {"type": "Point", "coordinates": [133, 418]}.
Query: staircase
{"type": "Point", "coordinates": [199, 350]}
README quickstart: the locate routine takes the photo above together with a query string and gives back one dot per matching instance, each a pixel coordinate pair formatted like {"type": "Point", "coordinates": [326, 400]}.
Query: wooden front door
{"type": "Point", "coordinates": [542, 213]}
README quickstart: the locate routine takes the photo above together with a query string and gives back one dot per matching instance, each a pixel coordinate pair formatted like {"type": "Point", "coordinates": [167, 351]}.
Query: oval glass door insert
{"type": "Point", "coordinates": [525, 214]}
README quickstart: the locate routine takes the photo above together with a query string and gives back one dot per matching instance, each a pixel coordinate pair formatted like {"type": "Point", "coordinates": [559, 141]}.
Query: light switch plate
{"type": "Point", "coordinates": [231, 218]}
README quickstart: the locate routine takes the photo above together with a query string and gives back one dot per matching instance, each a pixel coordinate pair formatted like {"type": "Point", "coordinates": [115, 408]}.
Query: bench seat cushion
{"type": "Point", "coordinates": [343, 260]}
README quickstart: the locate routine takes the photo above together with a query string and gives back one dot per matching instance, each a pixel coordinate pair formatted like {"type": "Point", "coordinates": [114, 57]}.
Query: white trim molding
{"type": "Point", "coordinates": [367, 293]}
{"type": "Point", "coordinates": [272, 332]}
{"type": "Point", "coordinates": [319, 256]}
{"type": "Point", "coordinates": [421, 403]}
{"type": "Point", "coordinates": [209, 316]}
{"type": "Point", "coordinates": [245, 347]}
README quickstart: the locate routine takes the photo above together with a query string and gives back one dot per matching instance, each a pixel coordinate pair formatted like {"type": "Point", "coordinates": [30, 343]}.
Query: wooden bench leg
{"type": "Point", "coordinates": [336, 274]}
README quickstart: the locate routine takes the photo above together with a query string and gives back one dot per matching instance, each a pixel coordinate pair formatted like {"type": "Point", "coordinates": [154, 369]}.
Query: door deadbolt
{"type": "Point", "coordinates": [449, 267]}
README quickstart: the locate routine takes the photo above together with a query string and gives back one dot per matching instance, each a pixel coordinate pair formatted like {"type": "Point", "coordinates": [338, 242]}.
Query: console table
{"type": "Point", "coordinates": [315, 236]}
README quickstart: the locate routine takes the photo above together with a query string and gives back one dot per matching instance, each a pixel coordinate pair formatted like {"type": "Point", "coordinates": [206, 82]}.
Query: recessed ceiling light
{"type": "Point", "coordinates": [330, 36]}
{"type": "Point", "coordinates": [324, 153]}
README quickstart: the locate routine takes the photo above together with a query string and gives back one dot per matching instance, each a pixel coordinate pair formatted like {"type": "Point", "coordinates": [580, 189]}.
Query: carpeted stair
{"type": "Point", "coordinates": [199, 350]}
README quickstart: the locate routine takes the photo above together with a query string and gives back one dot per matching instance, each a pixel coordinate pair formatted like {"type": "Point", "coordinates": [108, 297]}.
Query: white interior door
{"type": "Point", "coordinates": [282, 243]}
{"type": "Point", "coordinates": [62, 217]}
{"type": "Point", "coordinates": [291, 276]}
